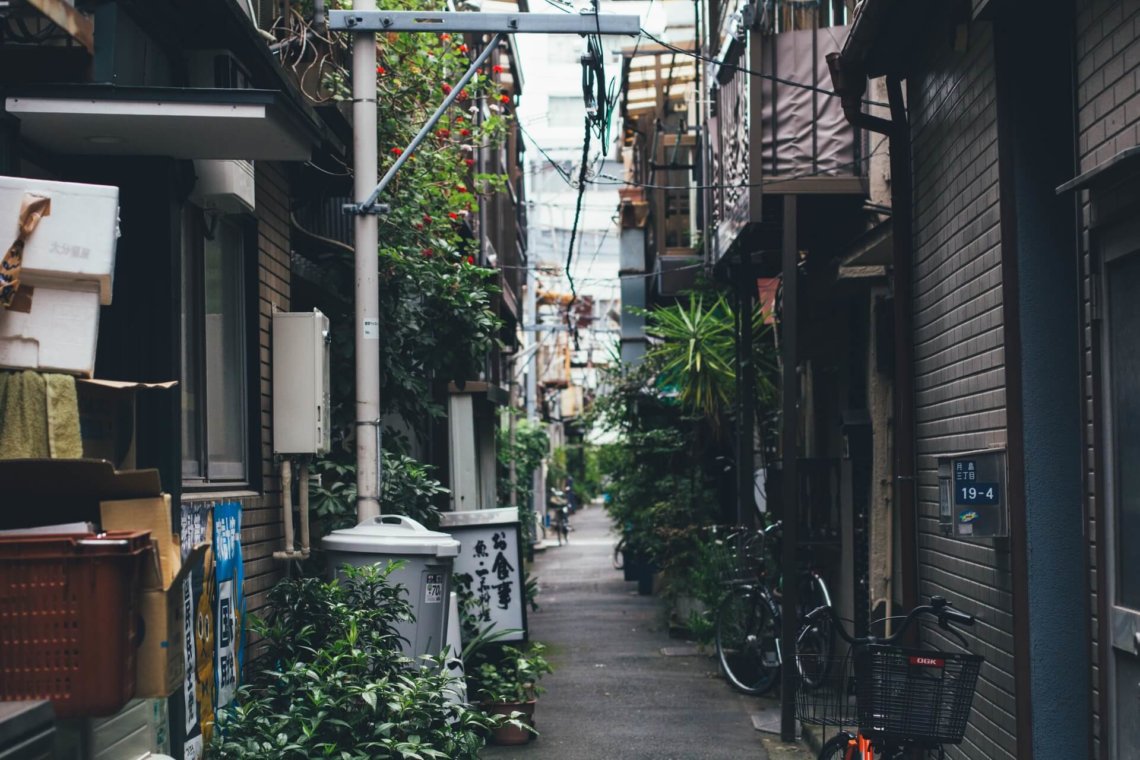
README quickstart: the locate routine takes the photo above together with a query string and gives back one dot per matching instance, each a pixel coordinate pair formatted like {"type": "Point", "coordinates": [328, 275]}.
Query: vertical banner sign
{"type": "Point", "coordinates": [230, 612]}
{"type": "Point", "coordinates": [490, 554]}
{"type": "Point", "coordinates": [197, 687]}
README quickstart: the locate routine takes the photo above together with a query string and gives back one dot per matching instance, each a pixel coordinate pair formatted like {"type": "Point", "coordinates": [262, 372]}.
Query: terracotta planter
{"type": "Point", "coordinates": [509, 734]}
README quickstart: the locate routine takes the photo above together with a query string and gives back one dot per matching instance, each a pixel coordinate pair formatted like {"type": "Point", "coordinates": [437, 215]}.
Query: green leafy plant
{"type": "Point", "coordinates": [512, 677]}
{"type": "Point", "coordinates": [407, 488]}
{"type": "Point", "coordinates": [332, 682]}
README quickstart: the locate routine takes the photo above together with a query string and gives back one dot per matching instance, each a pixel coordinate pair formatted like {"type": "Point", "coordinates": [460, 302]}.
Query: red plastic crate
{"type": "Point", "coordinates": [68, 619]}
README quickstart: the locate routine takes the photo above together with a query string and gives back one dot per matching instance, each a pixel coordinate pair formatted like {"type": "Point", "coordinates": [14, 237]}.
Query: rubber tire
{"type": "Point", "coordinates": [747, 673]}
{"type": "Point", "coordinates": [836, 748]}
{"type": "Point", "coordinates": [814, 675]}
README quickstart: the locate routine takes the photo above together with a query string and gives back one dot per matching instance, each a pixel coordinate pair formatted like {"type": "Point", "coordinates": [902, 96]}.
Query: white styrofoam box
{"type": "Point", "coordinates": [75, 242]}
{"type": "Point", "coordinates": [58, 334]}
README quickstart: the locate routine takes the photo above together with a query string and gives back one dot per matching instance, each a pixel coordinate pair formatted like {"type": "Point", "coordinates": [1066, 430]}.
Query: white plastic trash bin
{"type": "Point", "coordinates": [427, 556]}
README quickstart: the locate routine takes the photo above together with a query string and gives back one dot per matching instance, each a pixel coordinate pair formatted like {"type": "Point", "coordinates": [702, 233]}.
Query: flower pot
{"type": "Point", "coordinates": [631, 564]}
{"type": "Point", "coordinates": [508, 734]}
{"type": "Point", "coordinates": [647, 571]}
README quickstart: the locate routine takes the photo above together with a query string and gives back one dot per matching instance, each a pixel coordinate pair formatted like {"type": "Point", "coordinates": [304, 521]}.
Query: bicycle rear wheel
{"type": "Point", "coordinates": [746, 641]}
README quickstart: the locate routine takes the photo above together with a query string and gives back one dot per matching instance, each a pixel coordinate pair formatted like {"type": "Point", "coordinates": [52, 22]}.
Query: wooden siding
{"type": "Point", "coordinates": [959, 355]}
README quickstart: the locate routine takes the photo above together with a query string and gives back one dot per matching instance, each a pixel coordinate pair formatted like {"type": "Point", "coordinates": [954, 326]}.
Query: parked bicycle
{"type": "Point", "coordinates": [748, 620]}
{"type": "Point", "coordinates": [904, 698]}
{"type": "Point", "coordinates": [562, 525]}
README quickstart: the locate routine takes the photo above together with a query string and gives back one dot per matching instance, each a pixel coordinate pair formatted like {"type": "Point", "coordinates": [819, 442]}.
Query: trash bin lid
{"type": "Point", "coordinates": [392, 534]}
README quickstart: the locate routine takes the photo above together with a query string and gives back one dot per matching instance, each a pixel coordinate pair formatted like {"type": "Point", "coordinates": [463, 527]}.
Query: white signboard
{"type": "Point", "coordinates": [490, 553]}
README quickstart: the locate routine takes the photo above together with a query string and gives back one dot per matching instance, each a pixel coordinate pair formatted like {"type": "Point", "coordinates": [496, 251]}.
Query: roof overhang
{"type": "Point", "coordinates": [252, 125]}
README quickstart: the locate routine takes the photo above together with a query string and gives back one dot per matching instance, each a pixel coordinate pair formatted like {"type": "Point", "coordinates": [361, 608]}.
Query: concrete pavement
{"type": "Point", "coordinates": [621, 687]}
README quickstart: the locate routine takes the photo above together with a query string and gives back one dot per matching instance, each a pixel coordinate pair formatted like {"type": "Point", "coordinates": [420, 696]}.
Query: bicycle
{"type": "Point", "coordinates": [562, 526]}
{"type": "Point", "coordinates": [619, 554]}
{"type": "Point", "coordinates": [905, 698]}
{"type": "Point", "coordinates": [748, 623]}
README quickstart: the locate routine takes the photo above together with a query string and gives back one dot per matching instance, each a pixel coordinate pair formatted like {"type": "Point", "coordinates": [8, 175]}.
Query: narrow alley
{"type": "Point", "coordinates": [621, 687]}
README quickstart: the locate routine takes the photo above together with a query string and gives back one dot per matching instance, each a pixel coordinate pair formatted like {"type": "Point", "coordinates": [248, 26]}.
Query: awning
{"type": "Point", "coordinates": [252, 125]}
{"type": "Point", "coordinates": [1118, 167]}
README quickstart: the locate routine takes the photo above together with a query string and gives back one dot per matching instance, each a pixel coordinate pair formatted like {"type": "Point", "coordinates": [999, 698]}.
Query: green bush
{"type": "Point", "coordinates": [332, 682]}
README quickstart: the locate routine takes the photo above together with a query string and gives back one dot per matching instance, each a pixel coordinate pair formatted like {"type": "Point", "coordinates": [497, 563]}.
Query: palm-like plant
{"type": "Point", "coordinates": [696, 355]}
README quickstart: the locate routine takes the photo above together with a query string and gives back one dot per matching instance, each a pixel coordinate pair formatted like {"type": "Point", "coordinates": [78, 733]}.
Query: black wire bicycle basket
{"type": "Point", "coordinates": [912, 695]}
{"type": "Point", "coordinates": [825, 690]}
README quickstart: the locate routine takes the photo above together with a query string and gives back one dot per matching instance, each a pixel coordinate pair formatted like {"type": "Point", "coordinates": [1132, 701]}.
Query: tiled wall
{"type": "Point", "coordinates": [959, 353]}
{"type": "Point", "coordinates": [1108, 121]}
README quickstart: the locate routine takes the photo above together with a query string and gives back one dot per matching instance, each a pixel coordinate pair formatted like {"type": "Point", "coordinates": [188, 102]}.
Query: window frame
{"type": "Point", "coordinates": [250, 332]}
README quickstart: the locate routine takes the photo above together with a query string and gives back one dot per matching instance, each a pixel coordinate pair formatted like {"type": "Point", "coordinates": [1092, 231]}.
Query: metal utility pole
{"type": "Point", "coordinates": [364, 22]}
{"type": "Point", "coordinates": [790, 397]}
{"type": "Point", "coordinates": [367, 274]}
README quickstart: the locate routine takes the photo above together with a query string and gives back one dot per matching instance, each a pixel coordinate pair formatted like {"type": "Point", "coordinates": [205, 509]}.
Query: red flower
{"type": "Point", "coordinates": [462, 48]}
{"type": "Point", "coordinates": [446, 88]}
{"type": "Point", "coordinates": [427, 252]}
{"type": "Point", "coordinates": [444, 37]}
{"type": "Point", "coordinates": [471, 260]}
{"type": "Point", "coordinates": [381, 70]}
{"type": "Point", "coordinates": [397, 151]}
{"type": "Point", "coordinates": [458, 119]}
{"type": "Point", "coordinates": [465, 132]}
{"type": "Point", "coordinates": [504, 98]}
{"type": "Point", "coordinates": [444, 133]}
{"type": "Point", "coordinates": [453, 216]}
{"type": "Point", "coordinates": [427, 219]}
{"type": "Point", "coordinates": [461, 188]}
{"type": "Point", "coordinates": [497, 69]}
{"type": "Point", "coordinates": [462, 95]}
{"type": "Point", "coordinates": [469, 161]}
{"type": "Point", "coordinates": [419, 226]}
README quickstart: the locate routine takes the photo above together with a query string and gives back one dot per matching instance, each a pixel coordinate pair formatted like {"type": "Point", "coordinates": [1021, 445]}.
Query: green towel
{"type": "Point", "coordinates": [39, 416]}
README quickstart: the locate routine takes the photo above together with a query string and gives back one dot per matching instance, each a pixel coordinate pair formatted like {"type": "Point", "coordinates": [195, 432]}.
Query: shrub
{"type": "Point", "coordinates": [332, 681]}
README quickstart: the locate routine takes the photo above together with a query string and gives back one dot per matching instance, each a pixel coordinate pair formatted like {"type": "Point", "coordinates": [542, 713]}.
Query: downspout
{"type": "Point", "coordinates": [850, 83]}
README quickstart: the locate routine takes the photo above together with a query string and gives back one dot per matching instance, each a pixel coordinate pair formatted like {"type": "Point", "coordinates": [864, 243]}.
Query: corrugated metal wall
{"type": "Point", "coordinates": [959, 353]}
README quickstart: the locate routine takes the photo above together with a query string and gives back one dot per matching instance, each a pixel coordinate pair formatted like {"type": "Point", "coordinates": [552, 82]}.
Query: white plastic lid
{"type": "Point", "coordinates": [391, 534]}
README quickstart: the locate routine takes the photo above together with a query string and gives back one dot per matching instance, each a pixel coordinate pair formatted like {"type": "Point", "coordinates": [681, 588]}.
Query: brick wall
{"type": "Point", "coordinates": [1108, 121]}
{"type": "Point", "coordinates": [261, 514]}
{"type": "Point", "coordinates": [959, 354]}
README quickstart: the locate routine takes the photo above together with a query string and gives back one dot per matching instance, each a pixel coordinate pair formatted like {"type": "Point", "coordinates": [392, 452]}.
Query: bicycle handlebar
{"type": "Point", "coordinates": [938, 608]}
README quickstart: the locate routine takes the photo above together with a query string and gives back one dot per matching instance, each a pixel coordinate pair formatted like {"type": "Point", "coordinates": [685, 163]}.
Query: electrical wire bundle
{"type": "Point", "coordinates": [600, 99]}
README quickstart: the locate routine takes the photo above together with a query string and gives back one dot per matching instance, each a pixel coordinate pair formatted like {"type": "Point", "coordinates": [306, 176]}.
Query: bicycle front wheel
{"type": "Point", "coordinates": [839, 747]}
{"type": "Point", "coordinates": [746, 636]}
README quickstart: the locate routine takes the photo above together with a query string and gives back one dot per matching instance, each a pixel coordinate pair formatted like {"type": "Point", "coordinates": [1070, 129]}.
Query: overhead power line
{"type": "Point", "coordinates": [752, 72]}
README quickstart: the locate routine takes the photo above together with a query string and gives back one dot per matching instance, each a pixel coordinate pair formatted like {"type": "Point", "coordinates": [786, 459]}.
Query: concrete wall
{"type": "Point", "coordinates": [960, 352]}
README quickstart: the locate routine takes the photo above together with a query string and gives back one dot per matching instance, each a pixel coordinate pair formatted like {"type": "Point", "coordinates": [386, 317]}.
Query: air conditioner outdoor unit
{"type": "Point", "coordinates": [226, 186]}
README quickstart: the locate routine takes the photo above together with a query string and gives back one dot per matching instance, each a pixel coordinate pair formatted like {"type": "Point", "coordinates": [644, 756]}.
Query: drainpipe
{"type": "Point", "coordinates": [850, 83]}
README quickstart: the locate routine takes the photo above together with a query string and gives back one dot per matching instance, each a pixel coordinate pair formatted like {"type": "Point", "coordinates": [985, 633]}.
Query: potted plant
{"type": "Point", "coordinates": [507, 685]}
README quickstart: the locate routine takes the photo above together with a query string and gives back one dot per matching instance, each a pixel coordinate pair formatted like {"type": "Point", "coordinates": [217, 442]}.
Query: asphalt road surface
{"type": "Point", "coordinates": [622, 688]}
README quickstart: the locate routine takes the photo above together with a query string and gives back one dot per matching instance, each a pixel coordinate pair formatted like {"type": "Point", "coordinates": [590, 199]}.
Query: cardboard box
{"type": "Point", "coordinates": [74, 243]}
{"type": "Point", "coordinates": [107, 414]}
{"type": "Point", "coordinates": [161, 663]}
{"type": "Point", "coordinates": [53, 491]}
{"type": "Point", "coordinates": [51, 330]}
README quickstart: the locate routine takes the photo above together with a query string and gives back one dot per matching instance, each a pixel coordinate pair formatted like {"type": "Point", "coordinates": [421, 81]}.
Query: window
{"type": "Point", "coordinates": [215, 436]}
